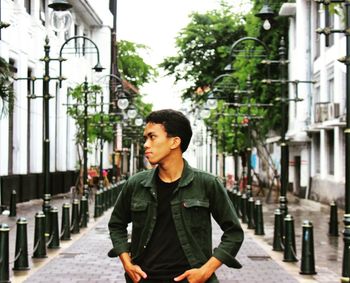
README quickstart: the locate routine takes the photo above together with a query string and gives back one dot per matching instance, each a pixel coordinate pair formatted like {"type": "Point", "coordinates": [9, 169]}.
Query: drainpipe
{"type": "Point", "coordinates": [309, 78]}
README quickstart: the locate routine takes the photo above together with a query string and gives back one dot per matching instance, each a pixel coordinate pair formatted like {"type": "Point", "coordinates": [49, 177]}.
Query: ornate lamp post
{"type": "Point", "coordinates": [59, 7]}
{"type": "Point", "coordinates": [247, 48]}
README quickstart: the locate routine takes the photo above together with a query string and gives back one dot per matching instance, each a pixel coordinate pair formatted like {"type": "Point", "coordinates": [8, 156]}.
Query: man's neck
{"type": "Point", "coordinates": [172, 170]}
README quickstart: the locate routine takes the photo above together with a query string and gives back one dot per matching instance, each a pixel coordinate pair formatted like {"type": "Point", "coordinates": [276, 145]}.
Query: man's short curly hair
{"type": "Point", "coordinates": [175, 123]}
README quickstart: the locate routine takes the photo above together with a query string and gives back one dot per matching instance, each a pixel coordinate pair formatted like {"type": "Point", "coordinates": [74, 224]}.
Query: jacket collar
{"type": "Point", "coordinates": [185, 179]}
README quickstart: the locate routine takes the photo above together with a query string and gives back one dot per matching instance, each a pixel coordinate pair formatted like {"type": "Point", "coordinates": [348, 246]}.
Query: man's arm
{"type": "Point", "coordinates": [202, 274]}
{"type": "Point", "coordinates": [225, 215]}
{"type": "Point", "coordinates": [119, 221]}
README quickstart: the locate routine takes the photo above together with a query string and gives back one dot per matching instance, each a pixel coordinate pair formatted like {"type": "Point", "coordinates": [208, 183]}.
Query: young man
{"type": "Point", "coordinates": [170, 208]}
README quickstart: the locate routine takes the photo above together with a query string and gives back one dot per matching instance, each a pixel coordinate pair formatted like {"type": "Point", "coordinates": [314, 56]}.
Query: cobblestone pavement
{"type": "Point", "coordinates": [83, 259]}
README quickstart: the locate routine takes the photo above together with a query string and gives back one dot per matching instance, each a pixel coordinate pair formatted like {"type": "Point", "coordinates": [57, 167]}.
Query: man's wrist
{"type": "Point", "coordinates": [210, 267]}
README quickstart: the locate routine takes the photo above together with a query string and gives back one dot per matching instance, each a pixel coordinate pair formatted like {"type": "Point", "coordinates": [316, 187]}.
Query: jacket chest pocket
{"type": "Point", "coordinates": [196, 212]}
{"type": "Point", "coordinates": [139, 213]}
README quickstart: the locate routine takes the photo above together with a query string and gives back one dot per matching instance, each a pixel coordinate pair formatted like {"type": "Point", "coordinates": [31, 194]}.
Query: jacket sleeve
{"type": "Point", "coordinates": [120, 218]}
{"type": "Point", "coordinates": [225, 215]}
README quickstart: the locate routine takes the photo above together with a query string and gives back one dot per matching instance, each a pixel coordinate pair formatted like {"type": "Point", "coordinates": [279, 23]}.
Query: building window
{"type": "Point", "coordinates": [76, 41]}
{"type": "Point", "coordinates": [318, 25]}
{"type": "Point", "coordinates": [330, 24]}
{"type": "Point", "coordinates": [28, 6]}
{"type": "Point", "coordinates": [42, 13]}
{"type": "Point", "coordinates": [330, 151]}
{"type": "Point", "coordinates": [317, 152]}
{"type": "Point", "coordinates": [330, 84]}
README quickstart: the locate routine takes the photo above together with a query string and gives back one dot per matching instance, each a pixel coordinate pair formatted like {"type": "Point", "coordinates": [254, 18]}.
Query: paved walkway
{"type": "Point", "coordinates": [83, 259]}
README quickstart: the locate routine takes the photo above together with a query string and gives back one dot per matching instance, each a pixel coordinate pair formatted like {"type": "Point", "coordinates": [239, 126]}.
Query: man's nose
{"type": "Point", "coordinates": [145, 144]}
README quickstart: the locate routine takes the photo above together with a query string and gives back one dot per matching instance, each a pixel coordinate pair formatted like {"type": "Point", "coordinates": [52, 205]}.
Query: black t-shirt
{"type": "Point", "coordinates": [164, 257]}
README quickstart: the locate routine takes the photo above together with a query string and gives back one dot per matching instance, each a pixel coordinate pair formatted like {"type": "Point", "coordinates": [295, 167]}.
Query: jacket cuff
{"type": "Point", "coordinates": [226, 258]}
{"type": "Point", "coordinates": [122, 248]}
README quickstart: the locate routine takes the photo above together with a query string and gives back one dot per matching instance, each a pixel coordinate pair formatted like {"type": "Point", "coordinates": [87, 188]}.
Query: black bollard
{"type": "Point", "coordinates": [249, 191]}
{"type": "Point", "coordinates": [75, 228]}
{"type": "Point", "coordinates": [105, 199]}
{"type": "Point", "coordinates": [54, 241]}
{"type": "Point", "coordinates": [4, 253]}
{"type": "Point", "coordinates": [39, 236]}
{"type": "Point", "coordinates": [333, 223]}
{"type": "Point", "coordinates": [102, 197]}
{"type": "Point", "coordinates": [250, 213]}
{"type": "Point", "coordinates": [234, 199]}
{"type": "Point", "coordinates": [244, 206]}
{"type": "Point", "coordinates": [277, 234]}
{"type": "Point", "coordinates": [110, 200]}
{"type": "Point", "coordinates": [13, 202]}
{"type": "Point", "coordinates": [307, 266]}
{"type": "Point", "coordinates": [65, 224]}
{"type": "Point", "coordinates": [259, 218]}
{"type": "Point", "coordinates": [83, 212]}
{"type": "Point", "coordinates": [86, 191]}
{"type": "Point", "coordinates": [21, 251]}
{"type": "Point", "coordinates": [238, 203]}
{"type": "Point", "coordinates": [97, 204]}
{"type": "Point", "coordinates": [290, 252]}
{"type": "Point", "coordinates": [46, 210]}
{"type": "Point", "coordinates": [113, 193]}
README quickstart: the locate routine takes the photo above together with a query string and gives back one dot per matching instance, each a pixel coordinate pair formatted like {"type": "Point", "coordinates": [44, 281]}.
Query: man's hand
{"type": "Point", "coordinates": [200, 275]}
{"type": "Point", "coordinates": [134, 271]}
{"type": "Point", "coordinates": [196, 275]}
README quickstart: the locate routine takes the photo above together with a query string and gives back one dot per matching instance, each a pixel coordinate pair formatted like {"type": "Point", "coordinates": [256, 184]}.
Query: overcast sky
{"type": "Point", "coordinates": [156, 23]}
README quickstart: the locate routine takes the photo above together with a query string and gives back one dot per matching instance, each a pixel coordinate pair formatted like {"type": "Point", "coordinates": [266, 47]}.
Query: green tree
{"type": "Point", "coordinates": [134, 72]}
{"type": "Point", "coordinates": [131, 65]}
{"type": "Point", "coordinates": [203, 52]}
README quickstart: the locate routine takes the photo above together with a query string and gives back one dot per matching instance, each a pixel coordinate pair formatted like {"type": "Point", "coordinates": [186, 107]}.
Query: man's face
{"type": "Point", "coordinates": [157, 144]}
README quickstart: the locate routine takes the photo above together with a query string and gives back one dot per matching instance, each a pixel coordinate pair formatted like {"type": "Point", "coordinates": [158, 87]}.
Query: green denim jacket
{"type": "Point", "coordinates": [198, 196]}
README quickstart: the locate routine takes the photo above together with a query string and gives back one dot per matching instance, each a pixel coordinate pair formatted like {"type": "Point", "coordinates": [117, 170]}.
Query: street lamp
{"type": "Point", "coordinates": [266, 14]}
{"type": "Point", "coordinates": [346, 60]}
{"type": "Point", "coordinates": [60, 18]}
{"type": "Point", "coordinates": [116, 88]}
{"type": "Point", "coordinates": [46, 97]}
{"type": "Point", "coordinates": [247, 48]}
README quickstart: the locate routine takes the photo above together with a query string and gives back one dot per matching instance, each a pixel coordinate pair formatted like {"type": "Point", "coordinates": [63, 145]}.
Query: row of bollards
{"type": "Point", "coordinates": [251, 213]}
{"type": "Point", "coordinates": [46, 229]}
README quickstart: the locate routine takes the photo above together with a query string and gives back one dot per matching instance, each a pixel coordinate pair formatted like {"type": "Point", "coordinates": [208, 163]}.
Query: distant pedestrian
{"type": "Point", "coordinates": [229, 182]}
{"type": "Point", "coordinates": [170, 208]}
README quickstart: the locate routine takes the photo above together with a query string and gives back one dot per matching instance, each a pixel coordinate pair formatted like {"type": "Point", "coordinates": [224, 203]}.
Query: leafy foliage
{"type": "Point", "coordinates": [131, 65]}
{"type": "Point", "coordinates": [6, 89]}
{"type": "Point", "coordinates": [96, 119]}
{"type": "Point", "coordinates": [134, 73]}
{"type": "Point", "coordinates": [206, 46]}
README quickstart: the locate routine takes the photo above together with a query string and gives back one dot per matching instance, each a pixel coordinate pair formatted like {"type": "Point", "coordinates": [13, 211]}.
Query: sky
{"type": "Point", "coordinates": [156, 23]}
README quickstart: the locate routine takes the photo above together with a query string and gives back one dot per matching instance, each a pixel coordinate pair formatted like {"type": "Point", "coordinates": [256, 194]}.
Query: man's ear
{"type": "Point", "coordinates": [176, 142]}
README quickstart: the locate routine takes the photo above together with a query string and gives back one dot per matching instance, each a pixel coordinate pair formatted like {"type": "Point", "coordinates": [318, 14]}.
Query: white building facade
{"type": "Point", "coordinates": [22, 45]}
{"type": "Point", "coordinates": [316, 124]}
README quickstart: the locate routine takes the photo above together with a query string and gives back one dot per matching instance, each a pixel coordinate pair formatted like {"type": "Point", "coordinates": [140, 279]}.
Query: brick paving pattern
{"type": "Point", "coordinates": [84, 259]}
